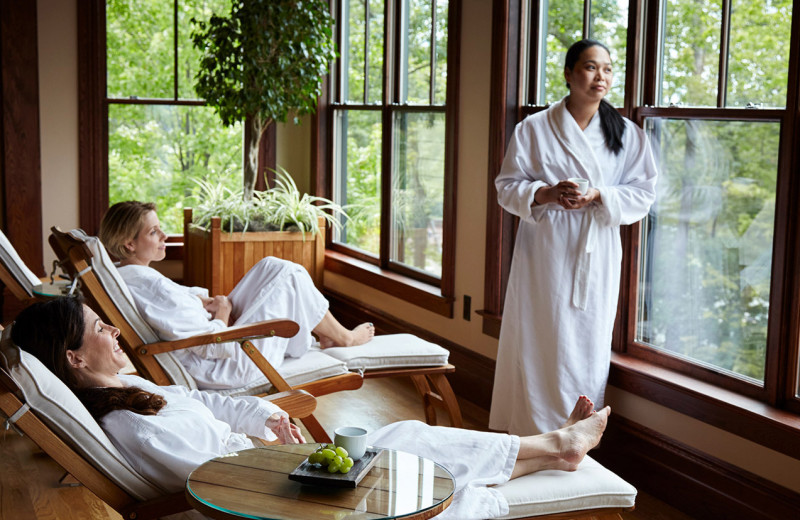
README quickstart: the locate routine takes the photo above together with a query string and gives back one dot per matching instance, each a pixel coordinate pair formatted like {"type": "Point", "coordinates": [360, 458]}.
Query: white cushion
{"type": "Point", "coordinates": [312, 366]}
{"type": "Point", "coordinates": [14, 265]}
{"type": "Point", "coordinates": [63, 413]}
{"type": "Point", "coordinates": [391, 351]}
{"type": "Point", "coordinates": [548, 492]}
{"type": "Point", "coordinates": [118, 292]}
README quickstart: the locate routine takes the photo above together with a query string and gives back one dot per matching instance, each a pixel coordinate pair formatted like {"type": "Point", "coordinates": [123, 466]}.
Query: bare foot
{"type": "Point", "coordinates": [579, 438]}
{"type": "Point", "coordinates": [583, 409]}
{"type": "Point", "coordinates": [358, 336]}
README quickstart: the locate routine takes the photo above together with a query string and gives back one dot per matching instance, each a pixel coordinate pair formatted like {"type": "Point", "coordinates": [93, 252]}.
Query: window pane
{"type": "Point", "coordinates": [417, 80]}
{"type": "Point", "coordinates": [418, 191]}
{"type": "Point", "coordinates": [140, 55]}
{"type": "Point", "coordinates": [564, 27]}
{"type": "Point", "coordinates": [440, 72]}
{"type": "Point", "coordinates": [357, 174]}
{"type": "Point", "coordinates": [188, 56]}
{"type": "Point", "coordinates": [609, 25]}
{"type": "Point", "coordinates": [362, 54]}
{"type": "Point", "coordinates": [690, 68]}
{"type": "Point", "coordinates": [707, 246]}
{"type": "Point", "coordinates": [154, 152]}
{"type": "Point", "coordinates": [759, 52]}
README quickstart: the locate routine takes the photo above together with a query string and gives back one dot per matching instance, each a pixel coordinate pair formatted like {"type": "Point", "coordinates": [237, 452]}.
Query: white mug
{"type": "Point", "coordinates": [583, 184]}
{"type": "Point", "coordinates": [353, 439]}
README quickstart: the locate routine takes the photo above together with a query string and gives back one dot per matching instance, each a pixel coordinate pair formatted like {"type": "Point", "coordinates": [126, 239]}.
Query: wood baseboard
{"type": "Point", "coordinates": [689, 480]}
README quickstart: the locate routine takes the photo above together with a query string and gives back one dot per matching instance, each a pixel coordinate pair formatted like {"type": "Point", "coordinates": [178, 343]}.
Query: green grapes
{"type": "Point", "coordinates": [333, 458]}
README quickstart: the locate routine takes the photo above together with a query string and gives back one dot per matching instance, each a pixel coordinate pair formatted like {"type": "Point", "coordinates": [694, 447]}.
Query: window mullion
{"type": "Point", "coordinates": [432, 85]}
{"type": "Point", "coordinates": [175, 48]}
{"type": "Point", "coordinates": [366, 51]}
{"type": "Point", "coordinates": [724, 44]}
{"type": "Point", "coordinates": [587, 18]}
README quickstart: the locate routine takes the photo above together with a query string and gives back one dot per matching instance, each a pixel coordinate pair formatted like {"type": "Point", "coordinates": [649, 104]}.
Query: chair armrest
{"type": "Point", "coordinates": [297, 403]}
{"type": "Point", "coordinates": [261, 329]}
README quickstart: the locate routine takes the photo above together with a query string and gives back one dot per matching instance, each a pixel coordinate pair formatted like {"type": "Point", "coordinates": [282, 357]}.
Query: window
{"type": "Point", "coordinates": [709, 277]}
{"type": "Point", "coordinates": [160, 136]}
{"type": "Point", "coordinates": [390, 108]}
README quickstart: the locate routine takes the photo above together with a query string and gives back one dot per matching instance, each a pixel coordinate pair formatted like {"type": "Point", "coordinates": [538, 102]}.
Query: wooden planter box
{"type": "Point", "coordinates": [217, 260]}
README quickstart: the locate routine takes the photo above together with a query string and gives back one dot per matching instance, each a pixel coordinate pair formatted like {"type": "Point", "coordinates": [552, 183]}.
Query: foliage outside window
{"type": "Point", "coordinates": [564, 22]}
{"type": "Point", "coordinates": [393, 137]}
{"type": "Point", "coordinates": [161, 138]}
{"type": "Point", "coordinates": [705, 281]}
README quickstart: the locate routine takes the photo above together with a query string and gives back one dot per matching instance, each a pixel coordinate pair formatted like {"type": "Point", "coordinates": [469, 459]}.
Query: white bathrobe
{"type": "Point", "coordinates": [196, 426]}
{"type": "Point", "coordinates": [271, 289]}
{"type": "Point", "coordinates": [561, 301]}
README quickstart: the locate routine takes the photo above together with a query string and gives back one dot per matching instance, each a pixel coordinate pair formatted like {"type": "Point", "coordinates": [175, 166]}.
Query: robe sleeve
{"type": "Point", "coordinates": [630, 200]}
{"type": "Point", "coordinates": [176, 312]}
{"type": "Point", "coordinates": [520, 175]}
{"type": "Point", "coordinates": [245, 414]}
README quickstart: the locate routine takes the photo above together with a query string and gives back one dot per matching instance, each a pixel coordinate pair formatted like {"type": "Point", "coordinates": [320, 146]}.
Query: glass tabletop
{"type": "Point", "coordinates": [52, 289]}
{"type": "Point", "coordinates": [254, 484]}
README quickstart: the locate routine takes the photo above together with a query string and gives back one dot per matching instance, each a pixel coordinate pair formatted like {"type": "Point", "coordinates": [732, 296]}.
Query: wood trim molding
{"type": "Point", "coordinates": [19, 132]}
{"type": "Point", "coordinates": [407, 289]}
{"type": "Point", "coordinates": [92, 115]}
{"type": "Point", "coordinates": [698, 484]}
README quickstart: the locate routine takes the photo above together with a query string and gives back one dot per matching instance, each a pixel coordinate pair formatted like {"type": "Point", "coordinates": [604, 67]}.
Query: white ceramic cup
{"type": "Point", "coordinates": [353, 439]}
{"type": "Point", "coordinates": [583, 184]}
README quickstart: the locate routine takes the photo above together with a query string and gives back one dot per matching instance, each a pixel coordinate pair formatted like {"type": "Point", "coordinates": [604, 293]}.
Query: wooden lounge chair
{"type": "Point", "coordinates": [37, 404]}
{"type": "Point", "coordinates": [318, 372]}
{"type": "Point", "coordinates": [34, 402]}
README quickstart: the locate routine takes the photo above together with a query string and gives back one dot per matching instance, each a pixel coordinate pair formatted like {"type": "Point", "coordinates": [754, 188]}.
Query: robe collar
{"type": "Point", "coordinates": [574, 141]}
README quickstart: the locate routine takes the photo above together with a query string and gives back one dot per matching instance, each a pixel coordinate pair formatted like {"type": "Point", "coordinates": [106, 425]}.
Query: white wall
{"type": "Point", "coordinates": [58, 117]}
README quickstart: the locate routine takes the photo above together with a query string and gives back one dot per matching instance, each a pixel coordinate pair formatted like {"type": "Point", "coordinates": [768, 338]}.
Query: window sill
{"type": "Point", "coordinates": [407, 289]}
{"type": "Point", "coordinates": [743, 416]}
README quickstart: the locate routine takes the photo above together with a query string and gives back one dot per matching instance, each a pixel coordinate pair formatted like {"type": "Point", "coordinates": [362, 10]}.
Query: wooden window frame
{"type": "Point", "coordinates": [93, 106]}
{"type": "Point", "coordinates": [431, 293]}
{"type": "Point", "coordinates": [768, 416]}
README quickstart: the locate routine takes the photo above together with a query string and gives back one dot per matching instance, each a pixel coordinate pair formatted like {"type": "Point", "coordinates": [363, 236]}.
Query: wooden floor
{"type": "Point", "coordinates": [29, 488]}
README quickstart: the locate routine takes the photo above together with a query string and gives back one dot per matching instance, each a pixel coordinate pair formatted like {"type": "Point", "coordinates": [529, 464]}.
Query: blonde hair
{"type": "Point", "coordinates": [121, 224]}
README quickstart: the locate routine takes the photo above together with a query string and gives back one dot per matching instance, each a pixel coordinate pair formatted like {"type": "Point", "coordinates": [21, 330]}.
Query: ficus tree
{"type": "Point", "coordinates": [263, 61]}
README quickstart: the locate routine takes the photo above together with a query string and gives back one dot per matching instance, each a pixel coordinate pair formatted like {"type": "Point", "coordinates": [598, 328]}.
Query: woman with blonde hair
{"type": "Point", "coordinates": [272, 289]}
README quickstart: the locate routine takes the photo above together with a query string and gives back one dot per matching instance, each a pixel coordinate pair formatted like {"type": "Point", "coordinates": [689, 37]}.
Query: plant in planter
{"type": "Point", "coordinates": [264, 60]}
{"type": "Point", "coordinates": [227, 235]}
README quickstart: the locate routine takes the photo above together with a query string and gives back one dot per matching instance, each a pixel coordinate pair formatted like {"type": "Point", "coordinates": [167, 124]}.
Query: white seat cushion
{"type": "Point", "coordinates": [391, 351]}
{"type": "Point", "coordinates": [547, 492]}
{"type": "Point", "coordinates": [63, 413]}
{"type": "Point", "coordinates": [313, 365]}
{"type": "Point", "coordinates": [14, 265]}
{"type": "Point", "coordinates": [118, 292]}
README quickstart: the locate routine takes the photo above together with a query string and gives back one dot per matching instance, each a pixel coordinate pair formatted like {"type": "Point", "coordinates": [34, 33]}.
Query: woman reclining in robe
{"type": "Point", "coordinates": [272, 289]}
{"type": "Point", "coordinates": [150, 425]}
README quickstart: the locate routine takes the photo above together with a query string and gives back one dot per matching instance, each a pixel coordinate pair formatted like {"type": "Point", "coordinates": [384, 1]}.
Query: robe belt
{"type": "Point", "coordinates": [587, 240]}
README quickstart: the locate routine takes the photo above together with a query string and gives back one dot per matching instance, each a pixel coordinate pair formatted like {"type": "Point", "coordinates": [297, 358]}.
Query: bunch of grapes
{"type": "Point", "coordinates": [332, 457]}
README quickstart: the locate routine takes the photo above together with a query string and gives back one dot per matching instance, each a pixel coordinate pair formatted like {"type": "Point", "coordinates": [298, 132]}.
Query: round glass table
{"type": "Point", "coordinates": [254, 483]}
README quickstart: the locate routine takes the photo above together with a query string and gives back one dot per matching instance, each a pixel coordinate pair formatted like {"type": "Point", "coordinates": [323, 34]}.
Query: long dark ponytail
{"type": "Point", "coordinates": [612, 124]}
{"type": "Point", "coordinates": [48, 329]}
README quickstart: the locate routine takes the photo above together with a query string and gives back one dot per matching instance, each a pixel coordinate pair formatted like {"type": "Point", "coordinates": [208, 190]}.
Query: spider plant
{"type": "Point", "coordinates": [292, 211]}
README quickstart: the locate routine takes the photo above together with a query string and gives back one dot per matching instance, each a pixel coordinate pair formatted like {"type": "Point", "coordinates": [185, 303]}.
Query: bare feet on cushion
{"type": "Point", "coordinates": [349, 338]}
{"type": "Point", "coordinates": [583, 409]}
{"type": "Point", "coordinates": [576, 440]}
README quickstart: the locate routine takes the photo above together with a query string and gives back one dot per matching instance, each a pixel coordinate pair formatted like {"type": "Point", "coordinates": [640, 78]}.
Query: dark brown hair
{"type": "Point", "coordinates": [48, 329]}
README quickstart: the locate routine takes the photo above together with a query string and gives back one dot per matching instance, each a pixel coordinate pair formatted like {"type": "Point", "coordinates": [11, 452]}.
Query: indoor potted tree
{"type": "Point", "coordinates": [263, 61]}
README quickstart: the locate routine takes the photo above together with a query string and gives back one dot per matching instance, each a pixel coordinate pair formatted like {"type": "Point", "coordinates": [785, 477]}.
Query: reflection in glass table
{"type": "Point", "coordinates": [254, 484]}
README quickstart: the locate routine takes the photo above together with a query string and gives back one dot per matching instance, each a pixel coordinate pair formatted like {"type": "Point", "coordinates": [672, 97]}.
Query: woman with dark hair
{"type": "Point", "coordinates": [555, 340]}
{"type": "Point", "coordinates": [166, 432]}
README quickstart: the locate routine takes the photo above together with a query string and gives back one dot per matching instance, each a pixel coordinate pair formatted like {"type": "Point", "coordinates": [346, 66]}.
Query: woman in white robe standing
{"type": "Point", "coordinates": [561, 301]}
{"type": "Point", "coordinates": [271, 289]}
{"type": "Point", "coordinates": [166, 432]}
